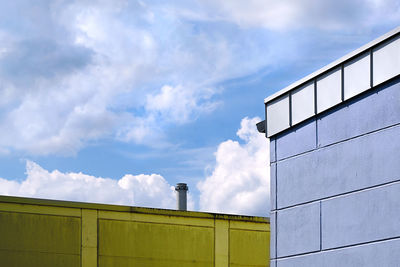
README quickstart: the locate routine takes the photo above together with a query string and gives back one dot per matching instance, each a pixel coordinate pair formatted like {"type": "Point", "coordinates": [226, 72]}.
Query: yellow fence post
{"type": "Point", "coordinates": [89, 238]}
{"type": "Point", "coordinates": [221, 243]}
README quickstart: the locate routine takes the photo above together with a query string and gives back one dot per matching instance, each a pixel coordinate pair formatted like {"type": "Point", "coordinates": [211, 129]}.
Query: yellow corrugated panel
{"type": "Point", "coordinates": [138, 262]}
{"type": "Point", "coordinates": [10, 258]}
{"type": "Point", "coordinates": [39, 239]}
{"type": "Point", "coordinates": [248, 248]}
{"type": "Point", "coordinates": [37, 232]}
{"type": "Point", "coordinates": [154, 244]}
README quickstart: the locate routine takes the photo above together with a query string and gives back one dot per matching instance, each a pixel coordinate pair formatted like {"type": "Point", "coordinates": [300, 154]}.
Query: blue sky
{"type": "Point", "coordinates": [116, 101]}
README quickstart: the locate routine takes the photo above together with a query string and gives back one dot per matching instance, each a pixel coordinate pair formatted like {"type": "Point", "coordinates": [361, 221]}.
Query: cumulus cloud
{"type": "Point", "coordinates": [239, 182]}
{"type": "Point", "coordinates": [293, 15]}
{"type": "Point", "coordinates": [135, 190]}
{"type": "Point", "coordinates": [180, 104]}
{"type": "Point", "coordinates": [73, 72]}
{"type": "Point", "coordinates": [48, 60]}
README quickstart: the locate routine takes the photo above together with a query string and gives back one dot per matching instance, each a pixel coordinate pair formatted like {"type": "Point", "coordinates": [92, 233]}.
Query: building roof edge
{"type": "Point", "coordinates": [334, 64]}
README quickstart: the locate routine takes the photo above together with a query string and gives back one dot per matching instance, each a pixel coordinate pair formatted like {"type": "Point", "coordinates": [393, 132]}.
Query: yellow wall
{"type": "Point", "coordinates": [36, 232]}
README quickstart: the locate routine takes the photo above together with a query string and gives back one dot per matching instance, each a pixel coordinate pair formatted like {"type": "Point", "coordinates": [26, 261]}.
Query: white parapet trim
{"type": "Point", "coordinates": [356, 72]}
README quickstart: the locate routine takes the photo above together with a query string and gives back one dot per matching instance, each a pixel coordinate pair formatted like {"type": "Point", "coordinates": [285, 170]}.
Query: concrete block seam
{"type": "Point", "coordinates": [361, 135]}
{"type": "Point", "coordinates": [320, 225]}
{"type": "Point", "coordinates": [339, 142]}
{"type": "Point", "coordinates": [339, 248]}
{"type": "Point", "coordinates": [340, 195]}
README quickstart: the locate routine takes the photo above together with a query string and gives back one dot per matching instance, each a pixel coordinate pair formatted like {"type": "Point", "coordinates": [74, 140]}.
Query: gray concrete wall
{"type": "Point", "coordinates": [335, 185]}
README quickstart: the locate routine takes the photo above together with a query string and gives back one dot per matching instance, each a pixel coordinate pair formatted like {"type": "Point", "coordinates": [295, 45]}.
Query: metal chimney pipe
{"type": "Point", "coordinates": [181, 200]}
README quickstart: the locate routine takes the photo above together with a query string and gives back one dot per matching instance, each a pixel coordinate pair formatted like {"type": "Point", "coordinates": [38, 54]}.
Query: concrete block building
{"type": "Point", "coordinates": [335, 162]}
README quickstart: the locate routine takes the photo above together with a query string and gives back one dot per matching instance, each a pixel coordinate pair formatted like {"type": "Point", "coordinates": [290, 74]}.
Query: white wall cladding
{"type": "Point", "coordinates": [349, 76]}
{"type": "Point", "coordinates": [357, 75]}
{"type": "Point", "coordinates": [386, 61]}
{"type": "Point", "coordinates": [278, 115]}
{"type": "Point", "coordinates": [329, 90]}
{"type": "Point", "coordinates": [303, 105]}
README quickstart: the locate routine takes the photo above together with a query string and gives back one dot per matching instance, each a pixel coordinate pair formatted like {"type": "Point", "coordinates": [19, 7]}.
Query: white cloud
{"type": "Point", "coordinates": [180, 104]}
{"type": "Point", "coordinates": [239, 182]}
{"type": "Point", "coordinates": [86, 70]}
{"type": "Point", "coordinates": [290, 15]}
{"type": "Point", "coordinates": [138, 190]}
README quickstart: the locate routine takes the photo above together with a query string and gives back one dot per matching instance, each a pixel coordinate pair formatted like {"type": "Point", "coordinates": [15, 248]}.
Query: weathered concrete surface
{"type": "Point", "coordinates": [300, 139]}
{"type": "Point", "coordinates": [272, 154]}
{"type": "Point", "coordinates": [360, 217]}
{"type": "Point", "coordinates": [273, 236]}
{"type": "Point", "coordinates": [337, 202]}
{"type": "Point", "coordinates": [383, 254]}
{"type": "Point", "coordinates": [298, 230]}
{"type": "Point", "coordinates": [359, 163]}
{"type": "Point", "coordinates": [338, 174]}
{"type": "Point", "coordinates": [375, 110]}
{"type": "Point", "coordinates": [273, 186]}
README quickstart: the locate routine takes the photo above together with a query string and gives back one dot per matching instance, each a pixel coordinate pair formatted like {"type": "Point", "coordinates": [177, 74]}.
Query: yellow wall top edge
{"type": "Point", "coordinates": [97, 206]}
